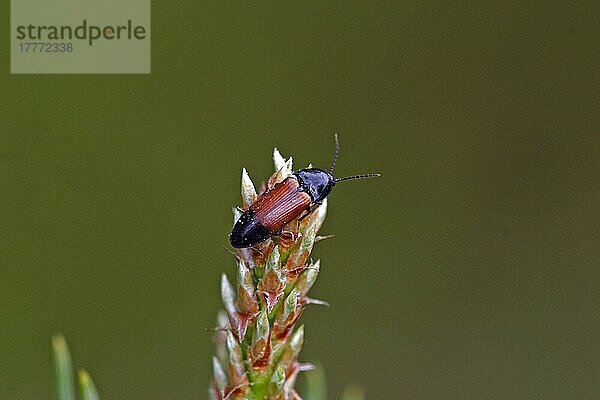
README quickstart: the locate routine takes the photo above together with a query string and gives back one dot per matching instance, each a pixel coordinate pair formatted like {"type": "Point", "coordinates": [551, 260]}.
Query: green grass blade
{"type": "Point", "coordinates": [86, 385]}
{"type": "Point", "coordinates": [353, 392]}
{"type": "Point", "coordinates": [316, 388]}
{"type": "Point", "coordinates": [64, 369]}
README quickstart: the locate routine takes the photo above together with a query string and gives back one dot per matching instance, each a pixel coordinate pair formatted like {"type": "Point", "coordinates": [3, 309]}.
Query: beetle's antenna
{"type": "Point", "coordinates": [335, 155]}
{"type": "Point", "coordinates": [361, 176]}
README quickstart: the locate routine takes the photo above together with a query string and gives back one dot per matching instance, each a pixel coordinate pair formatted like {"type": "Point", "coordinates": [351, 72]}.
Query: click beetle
{"type": "Point", "coordinates": [292, 198]}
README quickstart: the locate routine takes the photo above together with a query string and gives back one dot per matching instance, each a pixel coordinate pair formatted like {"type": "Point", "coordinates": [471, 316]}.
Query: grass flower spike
{"type": "Point", "coordinates": [258, 339]}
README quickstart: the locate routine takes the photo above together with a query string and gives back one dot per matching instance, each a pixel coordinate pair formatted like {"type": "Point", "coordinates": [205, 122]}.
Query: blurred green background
{"type": "Point", "coordinates": [469, 271]}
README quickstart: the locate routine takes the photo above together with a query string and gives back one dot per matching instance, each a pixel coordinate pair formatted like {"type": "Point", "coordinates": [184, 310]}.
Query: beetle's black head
{"type": "Point", "coordinates": [316, 182]}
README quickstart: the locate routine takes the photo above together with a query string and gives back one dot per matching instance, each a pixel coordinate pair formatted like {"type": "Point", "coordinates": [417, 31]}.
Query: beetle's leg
{"type": "Point", "coordinates": [240, 209]}
{"type": "Point", "coordinates": [309, 210]}
{"type": "Point", "coordinates": [293, 235]}
{"type": "Point", "coordinates": [306, 213]}
{"type": "Point", "coordinates": [257, 251]}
